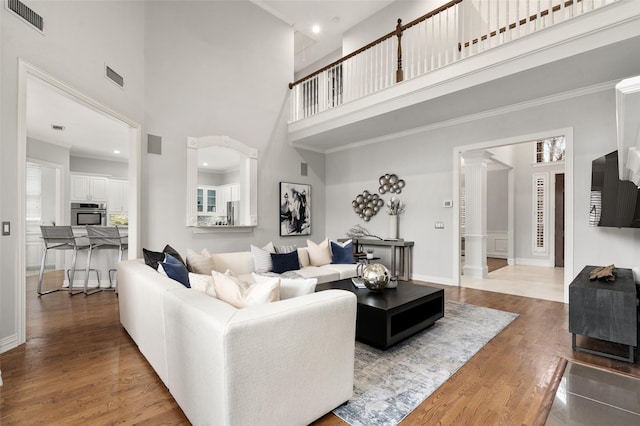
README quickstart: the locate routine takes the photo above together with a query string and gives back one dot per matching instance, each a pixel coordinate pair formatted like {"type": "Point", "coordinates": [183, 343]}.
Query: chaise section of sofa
{"type": "Point", "coordinates": [286, 362]}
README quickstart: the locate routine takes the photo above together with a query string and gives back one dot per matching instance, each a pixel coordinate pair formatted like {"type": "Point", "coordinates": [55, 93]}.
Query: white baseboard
{"type": "Point", "coordinates": [432, 279]}
{"type": "Point", "coordinates": [548, 263]}
{"type": "Point", "coordinates": [8, 343]}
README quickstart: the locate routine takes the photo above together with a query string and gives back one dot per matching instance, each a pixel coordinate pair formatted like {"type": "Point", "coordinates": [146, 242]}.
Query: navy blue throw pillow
{"type": "Point", "coordinates": [285, 262]}
{"type": "Point", "coordinates": [341, 254]}
{"type": "Point", "coordinates": [176, 270]}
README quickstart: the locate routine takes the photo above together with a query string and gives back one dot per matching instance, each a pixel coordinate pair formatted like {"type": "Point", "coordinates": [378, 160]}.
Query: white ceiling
{"type": "Point", "coordinates": [87, 133]}
{"type": "Point", "coordinates": [218, 159]}
{"type": "Point", "coordinates": [91, 134]}
{"type": "Point", "coordinates": [333, 17]}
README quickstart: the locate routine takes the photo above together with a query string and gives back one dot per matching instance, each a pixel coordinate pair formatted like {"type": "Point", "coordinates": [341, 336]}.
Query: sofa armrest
{"type": "Point", "coordinates": [287, 362]}
{"type": "Point", "coordinates": [141, 293]}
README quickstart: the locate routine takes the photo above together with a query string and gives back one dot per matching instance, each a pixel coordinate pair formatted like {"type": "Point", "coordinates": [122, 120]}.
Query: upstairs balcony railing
{"type": "Point", "coordinates": [450, 33]}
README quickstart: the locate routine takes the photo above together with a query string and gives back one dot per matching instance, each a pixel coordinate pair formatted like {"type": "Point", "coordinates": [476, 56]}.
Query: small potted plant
{"type": "Point", "coordinates": [369, 253]}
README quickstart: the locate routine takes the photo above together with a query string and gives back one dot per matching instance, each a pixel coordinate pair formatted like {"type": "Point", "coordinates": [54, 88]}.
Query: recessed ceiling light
{"type": "Point", "coordinates": [116, 151]}
{"type": "Point", "coordinates": [315, 29]}
{"type": "Point", "coordinates": [205, 164]}
{"type": "Point", "coordinates": [57, 127]}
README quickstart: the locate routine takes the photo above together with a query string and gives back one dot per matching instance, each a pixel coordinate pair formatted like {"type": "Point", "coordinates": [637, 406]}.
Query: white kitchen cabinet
{"type": "Point", "coordinates": [118, 201]}
{"type": "Point", "coordinates": [208, 201]}
{"type": "Point", "coordinates": [89, 188]}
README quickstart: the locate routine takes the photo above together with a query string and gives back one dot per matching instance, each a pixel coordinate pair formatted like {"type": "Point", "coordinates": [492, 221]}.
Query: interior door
{"type": "Point", "coordinates": [559, 220]}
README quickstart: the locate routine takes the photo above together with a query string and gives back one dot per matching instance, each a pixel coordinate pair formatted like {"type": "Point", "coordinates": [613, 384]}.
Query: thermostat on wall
{"type": "Point", "coordinates": [447, 203]}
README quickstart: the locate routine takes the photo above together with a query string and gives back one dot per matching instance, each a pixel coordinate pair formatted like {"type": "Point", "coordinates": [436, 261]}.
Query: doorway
{"type": "Point", "coordinates": [27, 73]}
{"type": "Point", "coordinates": [565, 229]}
{"type": "Point", "coordinates": [559, 221]}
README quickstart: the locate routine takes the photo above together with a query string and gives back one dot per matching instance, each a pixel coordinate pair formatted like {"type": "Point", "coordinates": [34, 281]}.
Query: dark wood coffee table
{"type": "Point", "coordinates": [385, 318]}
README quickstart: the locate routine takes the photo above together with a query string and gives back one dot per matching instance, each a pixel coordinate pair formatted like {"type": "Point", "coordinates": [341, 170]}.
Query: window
{"type": "Point", "coordinates": [550, 150]}
{"type": "Point", "coordinates": [540, 212]}
{"type": "Point", "coordinates": [34, 192]}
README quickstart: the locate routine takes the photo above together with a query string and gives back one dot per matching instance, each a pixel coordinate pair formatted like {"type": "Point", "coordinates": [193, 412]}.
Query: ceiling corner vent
{"type": "Point", "coordinates": [113, 76]}
{"type": "Point", "coordinates": [26, 13]}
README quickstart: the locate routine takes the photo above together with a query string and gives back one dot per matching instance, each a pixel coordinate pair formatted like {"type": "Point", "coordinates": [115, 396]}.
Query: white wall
{"type": "Point", "coordinates": [425, 162]}
{"type": "Point", "coordinates": [497, 197]}
{"type": "Point", "coordinates": [79, 38]}
{"type": "Point", "coordinates": [385, 21]}
{"type": "Point", "coordinates": [206, 77]}
{"type": "Point", "coordinates": [115, 169]}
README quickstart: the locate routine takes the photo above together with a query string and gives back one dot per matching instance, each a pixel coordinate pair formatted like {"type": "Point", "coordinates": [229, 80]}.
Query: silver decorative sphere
{"type": "Point", "coordinates": [376, 277]}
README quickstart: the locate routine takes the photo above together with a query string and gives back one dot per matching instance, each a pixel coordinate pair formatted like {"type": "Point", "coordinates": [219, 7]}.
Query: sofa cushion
{"type": "Point", "coordinates": [290, 287]}
{"type": "Point", "coordinates": [152, 258]}
{"type": "Point", "coordinates": [319, 254]}
{"type": "Point", "coordinates": [303, 257]}
{"type": "Point", "coordinates": [342, 252]}
{"type": "Point", "coordinates": [175, 270]}
{"type": "Point", "coordinates": [262, 258]}
{"type": "Point", "coordinates": [240, 294]}
{"type": "Point", "coordinates": [200, 263]}
{"type": "Point", "coordinates": [285, 262]}
{"type": "Point", "coordinates": [203, 283]}
{"type": "Point", "coordinates": [173, 252]}
{"type": "Point", "coordinates": [241, 263]}
{"type": "Point", "coordinates": [346, 270]}
{"type": "Point", "coordinates": [286, 249]}
{"type": "Point", "coordinates": [323, 274]}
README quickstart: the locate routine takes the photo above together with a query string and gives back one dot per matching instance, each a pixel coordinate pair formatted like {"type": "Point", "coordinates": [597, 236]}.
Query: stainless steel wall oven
{"type": "Point", "coordinates": [88, 214]}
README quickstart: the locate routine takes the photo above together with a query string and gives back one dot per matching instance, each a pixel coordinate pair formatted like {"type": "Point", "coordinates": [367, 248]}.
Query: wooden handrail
{"type": "Point", "coordinates": [344, 58]}
{"type": "Point", "coordinates": [514, 24]}
{"type": "Point", "coordinates": [397, 32]}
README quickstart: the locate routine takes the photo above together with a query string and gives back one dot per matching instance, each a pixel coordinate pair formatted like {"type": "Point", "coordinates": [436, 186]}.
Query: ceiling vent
{"type": "Point", "coordinates": [26, 13]}
{"type": "Point", "coordinates": [113, 76]}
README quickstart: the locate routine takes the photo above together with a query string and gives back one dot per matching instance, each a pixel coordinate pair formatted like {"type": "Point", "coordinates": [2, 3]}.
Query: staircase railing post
{"type": "Point", "coordinates": [399, 74]}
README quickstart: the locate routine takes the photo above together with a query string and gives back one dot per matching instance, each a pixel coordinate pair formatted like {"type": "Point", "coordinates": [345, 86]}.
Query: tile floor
{"type": "Point", "coordinates": [520, 280]}
{"type": "Point", "coordinates": [591, 396]}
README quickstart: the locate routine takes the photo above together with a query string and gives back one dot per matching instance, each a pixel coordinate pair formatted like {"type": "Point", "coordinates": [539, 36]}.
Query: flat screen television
{"type": "Point", "coordinates": [614, 202]}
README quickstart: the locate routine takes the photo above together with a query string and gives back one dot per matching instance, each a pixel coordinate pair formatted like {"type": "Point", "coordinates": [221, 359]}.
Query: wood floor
{"type": "Point", "coordinates": [80, 367]}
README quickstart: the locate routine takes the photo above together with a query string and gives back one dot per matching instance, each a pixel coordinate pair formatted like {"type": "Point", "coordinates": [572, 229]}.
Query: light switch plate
{"type": "Point", "coordinates": [447, 203]}
{"type": "Point", "coordinates": [6, 228]}
{"type": "Point", "coordinates": [439, 225]}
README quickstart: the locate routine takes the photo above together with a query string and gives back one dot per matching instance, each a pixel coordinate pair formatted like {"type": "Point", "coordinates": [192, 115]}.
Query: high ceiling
{"type": "Point", "coordinates": [85, 132]}
{"type": "Point", "coordinates": [333, 18]}
{"type": "Point", "coordinates": [89, 133]}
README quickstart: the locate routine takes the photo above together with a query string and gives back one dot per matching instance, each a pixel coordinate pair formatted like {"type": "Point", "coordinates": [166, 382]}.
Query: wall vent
{"type": "Point", "coordinates": [26, 13]}
{"type": "Point", "coordinates": [113, 76]}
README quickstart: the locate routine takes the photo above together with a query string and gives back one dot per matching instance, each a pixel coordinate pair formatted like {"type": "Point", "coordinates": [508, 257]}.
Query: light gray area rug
{"type": "Point", "coordinates": [391, 384]}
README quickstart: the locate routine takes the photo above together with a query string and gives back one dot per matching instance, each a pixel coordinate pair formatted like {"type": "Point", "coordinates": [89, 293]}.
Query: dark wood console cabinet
{"type": "Point", "coordinates": [604, 310]}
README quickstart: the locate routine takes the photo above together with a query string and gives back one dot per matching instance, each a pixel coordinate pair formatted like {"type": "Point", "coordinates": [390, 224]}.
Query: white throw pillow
{"type": "Point", "coordinates": [291, 287]}
{"type": "Point", "coordinates": [200, 263]}
{"type": "Point", "coordinates": [319, 254]}
{"type": "Point", "coordinates": [203, 283]}
{"type": "Point", "coordinates": [262, 258]}
{"type": "Point", "coordinates": [240, 294]}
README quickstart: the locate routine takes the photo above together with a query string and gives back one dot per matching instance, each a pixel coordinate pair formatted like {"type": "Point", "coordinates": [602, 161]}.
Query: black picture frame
{"type": "Point", "coordinates": [295, 209]}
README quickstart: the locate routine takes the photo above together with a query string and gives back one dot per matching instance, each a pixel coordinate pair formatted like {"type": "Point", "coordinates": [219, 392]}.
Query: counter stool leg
{"type": "Point", "coordinates": [42, 265]}
{"type": "Point", "coordinates": [86, 276]}
{"type": "Point", "coordinates": [72, 273]}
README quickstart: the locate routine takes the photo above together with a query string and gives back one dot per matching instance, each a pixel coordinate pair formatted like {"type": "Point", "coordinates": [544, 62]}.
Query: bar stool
{"type": "Point", "coordinates": [60, 238]}
{"type": "Point", "coordinates": [104, 238]}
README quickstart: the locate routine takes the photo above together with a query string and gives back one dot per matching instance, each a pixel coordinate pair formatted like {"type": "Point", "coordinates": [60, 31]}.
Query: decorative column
{"type": "Point", "coordinates": [475, 181]}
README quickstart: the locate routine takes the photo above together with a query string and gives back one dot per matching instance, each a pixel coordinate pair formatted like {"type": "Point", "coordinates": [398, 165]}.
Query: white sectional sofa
{"type": "Point", "coordinates": [282, 363]}
{"type": "Point", "coordinates": [241, 264]}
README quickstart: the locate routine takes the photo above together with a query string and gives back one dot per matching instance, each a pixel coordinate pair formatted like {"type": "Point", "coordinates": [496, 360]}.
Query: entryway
{"type": "Point", "coordinates": [533, 237]}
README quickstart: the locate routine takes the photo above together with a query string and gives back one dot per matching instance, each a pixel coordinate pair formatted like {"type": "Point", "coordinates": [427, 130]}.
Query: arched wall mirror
{"type": "Point", "coordinates": [222, 183]}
